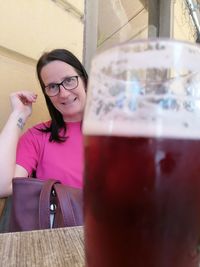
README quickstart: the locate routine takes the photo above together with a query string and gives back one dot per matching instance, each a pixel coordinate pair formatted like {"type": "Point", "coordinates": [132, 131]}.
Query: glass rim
{"type": "Point", "coordinates": [147, 40]}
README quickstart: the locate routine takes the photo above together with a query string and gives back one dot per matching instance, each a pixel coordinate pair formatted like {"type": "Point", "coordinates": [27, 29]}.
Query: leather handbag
{"type": "Point", "coordinates": [42, 204]}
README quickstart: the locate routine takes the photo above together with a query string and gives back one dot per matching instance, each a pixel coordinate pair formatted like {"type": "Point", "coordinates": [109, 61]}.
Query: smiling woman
{"type": "Point", "coordinates": [28, 28]}
{"type": "Point", "coordinates": [53, 148]}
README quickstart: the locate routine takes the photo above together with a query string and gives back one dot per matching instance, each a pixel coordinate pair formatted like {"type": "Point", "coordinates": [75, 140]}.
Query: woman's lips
{"type": "Point", "coordinates": [69, 102]}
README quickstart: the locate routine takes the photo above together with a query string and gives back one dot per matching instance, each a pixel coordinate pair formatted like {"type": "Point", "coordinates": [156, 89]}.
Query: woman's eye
{"type": "Point", "coordinates": [53, 86]}
{"type": "Point", "coordinates": [68, 80]}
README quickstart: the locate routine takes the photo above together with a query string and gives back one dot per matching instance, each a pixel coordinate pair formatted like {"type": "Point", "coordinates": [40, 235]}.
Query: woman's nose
{"type": "Point", "coordinates": [63, 92]}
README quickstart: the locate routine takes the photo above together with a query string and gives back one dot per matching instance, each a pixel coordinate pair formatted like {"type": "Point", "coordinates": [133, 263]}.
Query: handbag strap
{"type": "Point", "coordinates": [44, 204]}
{"type": "Point", "coordinates": [65, 205]}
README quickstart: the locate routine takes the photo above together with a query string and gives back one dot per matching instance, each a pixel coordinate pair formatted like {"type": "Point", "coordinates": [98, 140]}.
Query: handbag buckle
{"type": "Point", "coordinates": [53, 208]}
{"type": "Point", "coordinates": [53, 192]}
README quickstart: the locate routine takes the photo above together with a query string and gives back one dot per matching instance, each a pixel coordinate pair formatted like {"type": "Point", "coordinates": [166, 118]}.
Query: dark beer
{"type": "Point", "coordinates": [142, 202]}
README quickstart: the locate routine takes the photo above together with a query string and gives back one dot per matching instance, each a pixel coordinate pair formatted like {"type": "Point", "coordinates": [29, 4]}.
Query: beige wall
{"type": "Point", "coordinates": [175, 19]}
{"type": "Point", "coordinates": [183, 27]}
{"type": "Point", "coordinates": [121, 21]}
{"type": "Point", "coordinates": [27, 29]}
{"type": "Point", "coordinates": [17, 74]}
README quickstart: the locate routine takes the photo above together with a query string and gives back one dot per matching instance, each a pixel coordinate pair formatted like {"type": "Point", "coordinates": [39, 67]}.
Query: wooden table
{"type": "Point", "coordinates": [60, 247]}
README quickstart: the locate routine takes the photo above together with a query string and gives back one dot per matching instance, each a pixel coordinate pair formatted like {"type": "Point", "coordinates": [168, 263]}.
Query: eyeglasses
{"type": "Point", "coordinates": [69, 83]}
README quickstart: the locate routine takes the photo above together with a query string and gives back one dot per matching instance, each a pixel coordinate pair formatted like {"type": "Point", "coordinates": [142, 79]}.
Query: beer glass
{"type": "Point", "coordinates": [142, 173]}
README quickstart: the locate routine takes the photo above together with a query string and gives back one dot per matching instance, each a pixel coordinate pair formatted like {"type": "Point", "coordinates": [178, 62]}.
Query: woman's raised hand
{"type": "Point", "coordinates": [22, 101]}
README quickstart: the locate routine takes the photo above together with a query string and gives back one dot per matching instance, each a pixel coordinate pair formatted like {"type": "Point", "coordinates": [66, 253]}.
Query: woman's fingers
{"type": "Point", "coordinates": [22, 102]}
{"type": "Point", "coordinates": [27, 98]}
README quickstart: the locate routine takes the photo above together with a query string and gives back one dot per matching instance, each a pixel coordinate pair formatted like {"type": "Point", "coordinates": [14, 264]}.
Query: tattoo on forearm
{"type": "Point", "coordinates": [20, 123]}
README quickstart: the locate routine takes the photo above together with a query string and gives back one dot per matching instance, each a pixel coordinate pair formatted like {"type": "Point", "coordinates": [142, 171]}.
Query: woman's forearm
{"type": "Point", "coordinates": [8, 144]}
{"type": "Point", "coordinates": [9, 137]}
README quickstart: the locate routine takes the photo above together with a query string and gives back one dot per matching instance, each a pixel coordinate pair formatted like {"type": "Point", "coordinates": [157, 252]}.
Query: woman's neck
{"type": "Point", "coordinates": [77, 118]}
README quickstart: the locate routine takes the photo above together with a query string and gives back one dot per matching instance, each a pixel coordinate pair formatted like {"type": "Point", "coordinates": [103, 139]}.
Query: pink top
{"type": "Point", "coordinates": [62, 161]}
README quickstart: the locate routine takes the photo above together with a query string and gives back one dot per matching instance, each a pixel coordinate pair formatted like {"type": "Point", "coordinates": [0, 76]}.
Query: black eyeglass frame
{"type": "Point", "coordinates": [59, 84]}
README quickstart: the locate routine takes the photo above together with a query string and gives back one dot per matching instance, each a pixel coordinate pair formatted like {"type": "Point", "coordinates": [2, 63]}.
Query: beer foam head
{"type": "Point", "coordinates": [145, 88]}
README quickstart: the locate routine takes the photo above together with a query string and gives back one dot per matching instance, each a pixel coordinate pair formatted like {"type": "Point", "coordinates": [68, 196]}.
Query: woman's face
{"type": "Point", "coordinates": [70, 103]}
